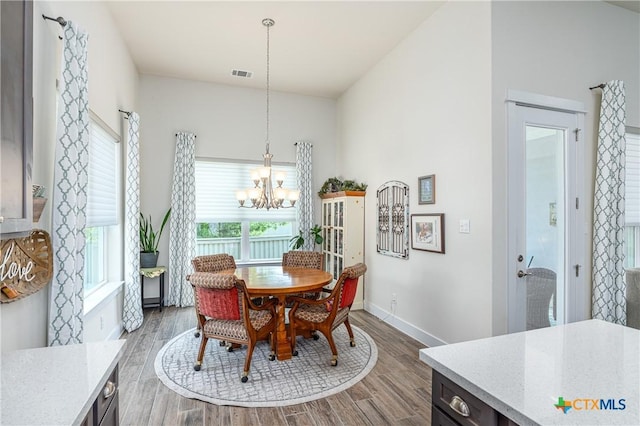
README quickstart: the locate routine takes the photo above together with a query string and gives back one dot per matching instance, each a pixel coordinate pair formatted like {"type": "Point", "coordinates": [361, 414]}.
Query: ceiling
{"type": "Point", "coordinates": [318, 48]}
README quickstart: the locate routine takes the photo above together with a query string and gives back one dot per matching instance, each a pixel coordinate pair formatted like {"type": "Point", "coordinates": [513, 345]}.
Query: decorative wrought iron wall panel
{"type": "Point", "coordinates": [393, 219]}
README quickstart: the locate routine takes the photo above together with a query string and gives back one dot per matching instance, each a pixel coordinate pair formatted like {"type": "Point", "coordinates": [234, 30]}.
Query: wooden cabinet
{"type": "Point", "coordinates": [343, 232]}
{"type": "Point", "coordinates": [105, 409]}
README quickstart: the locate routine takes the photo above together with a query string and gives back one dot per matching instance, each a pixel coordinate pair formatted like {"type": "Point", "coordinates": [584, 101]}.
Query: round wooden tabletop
{"type": "Point", "coordinates": [273, 280]}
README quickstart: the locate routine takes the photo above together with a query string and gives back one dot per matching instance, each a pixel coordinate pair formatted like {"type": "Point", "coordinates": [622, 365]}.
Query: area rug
{"type": "Point", "coordinates": [304, 378]}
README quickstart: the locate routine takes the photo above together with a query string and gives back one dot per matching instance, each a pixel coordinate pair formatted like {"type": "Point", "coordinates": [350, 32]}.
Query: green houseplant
{"type": "Point", "coordinates": [149, 240]}
{"type": "Point", "coordinates": [335, 184]}
{"type": "Point", "coordinates": [315, 233]}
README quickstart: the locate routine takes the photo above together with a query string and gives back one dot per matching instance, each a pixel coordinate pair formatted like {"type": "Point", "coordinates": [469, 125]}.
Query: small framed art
{"type": "Point", "coordinates": [427, 232]}
{"type": "Point", "coordinates": [427, 189]}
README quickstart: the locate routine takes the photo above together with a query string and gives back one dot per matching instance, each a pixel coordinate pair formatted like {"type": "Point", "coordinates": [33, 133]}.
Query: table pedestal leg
{"type": "Point", "coordinates": [283, 347]}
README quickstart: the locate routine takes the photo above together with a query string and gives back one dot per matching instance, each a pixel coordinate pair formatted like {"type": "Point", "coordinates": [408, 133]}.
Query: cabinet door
{"type": "Point", "coordinates": [16, 130]}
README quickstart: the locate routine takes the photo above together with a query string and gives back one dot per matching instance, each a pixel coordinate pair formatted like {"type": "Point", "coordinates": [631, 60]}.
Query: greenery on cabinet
{"type": "Point", "coordinates": [335, 184]}
{"type": "Point", "coordinates": [315, 233]}
{"type": "Point", "coordinates": [149, 238]}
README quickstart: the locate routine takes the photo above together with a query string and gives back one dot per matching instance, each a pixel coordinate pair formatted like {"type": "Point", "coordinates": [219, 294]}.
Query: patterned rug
{"type": "Point", "coordinates": [304, 378]}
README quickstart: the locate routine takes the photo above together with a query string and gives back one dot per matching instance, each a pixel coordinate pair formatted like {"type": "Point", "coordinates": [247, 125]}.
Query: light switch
{"type": "Point", "coordinates": [465, 227]}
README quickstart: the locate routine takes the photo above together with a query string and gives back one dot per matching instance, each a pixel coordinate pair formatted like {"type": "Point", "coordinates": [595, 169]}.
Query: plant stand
{"type": "Point", "coordinates": [153, 302]}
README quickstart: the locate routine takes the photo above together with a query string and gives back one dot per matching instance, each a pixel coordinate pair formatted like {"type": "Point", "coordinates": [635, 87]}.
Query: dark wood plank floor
{"type": "Point", "coordinates": [396, 392]}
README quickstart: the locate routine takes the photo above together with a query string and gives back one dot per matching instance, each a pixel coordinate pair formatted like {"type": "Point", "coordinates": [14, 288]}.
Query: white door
{"type": "Point", "coordinates": [546, 248]}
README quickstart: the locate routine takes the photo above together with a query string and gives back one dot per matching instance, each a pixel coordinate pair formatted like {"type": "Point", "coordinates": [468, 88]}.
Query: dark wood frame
{"type": "Point", "coordinates": [24, 112]}
{"type": "Point", "coordinates": [439, 233]}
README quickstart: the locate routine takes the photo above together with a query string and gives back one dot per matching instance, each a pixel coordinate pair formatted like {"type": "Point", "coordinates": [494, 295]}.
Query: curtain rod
{"type": "Point", "coordinates": [60, 20]}
{"type": "Point", "coordinates": [127, 113]}
{"type": "Point", "coordinates": [195, 136]}
{"type": "Point", "coordinates": [599, 86]}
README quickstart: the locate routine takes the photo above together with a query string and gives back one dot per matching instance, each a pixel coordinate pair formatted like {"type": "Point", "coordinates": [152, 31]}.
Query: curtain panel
{"type": "Point", "coordinates": [182, 227]}
{"type": "Point", "coordinates": [66, 310]}
{"type": "Point", "coordinates": [609, 300]}
{"type": "Point", "coordinates": [304, 174]}
{"type": "Point", "coordinates": [132, 315]}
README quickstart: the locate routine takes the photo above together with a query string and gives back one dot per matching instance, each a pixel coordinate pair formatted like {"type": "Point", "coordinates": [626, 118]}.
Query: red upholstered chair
{"type": "Point", "coordinates": [226, 312]}
{"type": "Point", "coordinates": [303, 259]}
{"type": "Point", "coordinates": [325, 315]}
{"type": "Point", "coordinates": [210, 263]}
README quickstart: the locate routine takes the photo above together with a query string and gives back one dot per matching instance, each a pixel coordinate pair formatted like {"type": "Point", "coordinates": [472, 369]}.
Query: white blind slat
{"type": "Point", "coordinates": [632, 180]}
{"type": "Point", "coordinates": [217, 182]}
{"type": "Point", "coordinates": [102, 172]}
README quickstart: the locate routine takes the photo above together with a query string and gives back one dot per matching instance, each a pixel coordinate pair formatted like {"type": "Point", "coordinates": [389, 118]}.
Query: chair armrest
{"type": "Point", "coordinates": [269, 304]}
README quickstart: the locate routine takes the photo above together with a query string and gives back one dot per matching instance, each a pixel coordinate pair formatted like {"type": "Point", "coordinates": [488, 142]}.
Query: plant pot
{"type": "Point", "coordinates": [148, 259]}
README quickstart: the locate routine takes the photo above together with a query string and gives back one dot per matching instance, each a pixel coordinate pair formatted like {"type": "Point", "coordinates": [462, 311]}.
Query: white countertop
{"type": "Point", "coordinates": [55, 385]}
{"type": "Point", "coordinates": [522, 375]}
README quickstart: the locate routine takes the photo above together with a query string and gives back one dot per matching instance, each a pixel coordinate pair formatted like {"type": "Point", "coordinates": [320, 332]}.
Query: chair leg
{"type": "Point", "coordinates": [203, 344]}
{"type": "Point", "coordinates": [332, 345]}
{"type": "Point", "coordinates": [247, 361]}
{"type": "Point", "coordinates": [272, 343]}
{"type": "Point", "coordinates": [352, 341]}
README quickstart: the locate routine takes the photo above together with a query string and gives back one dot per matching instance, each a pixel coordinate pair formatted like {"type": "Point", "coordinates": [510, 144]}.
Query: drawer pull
{"type": "Point", "coordinates": [458, 405]}
{"type": "Point", "coordinates": [109, 390]}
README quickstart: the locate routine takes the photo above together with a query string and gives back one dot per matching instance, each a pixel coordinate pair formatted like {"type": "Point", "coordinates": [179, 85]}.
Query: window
{"type": "Point", "coordinates": [632, 200]}
{"type": "Point", "coordinates": [102, 206]}
{"type": "Point", "coordinates": [249, 235]}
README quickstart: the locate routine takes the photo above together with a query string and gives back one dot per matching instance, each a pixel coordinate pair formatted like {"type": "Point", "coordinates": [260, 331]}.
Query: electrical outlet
{"type": "Point", "coordinates": [393, 298]}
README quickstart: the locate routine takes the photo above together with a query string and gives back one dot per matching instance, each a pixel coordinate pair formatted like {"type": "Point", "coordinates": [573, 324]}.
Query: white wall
{"type": "Point", "coordinates": [229, 122]}
{"type": "Point", "coordinates": [425, 109]}
{"type": "Point", "coordinates": [113, 83]}
{"type": "Point", "coordinates": [557, 49]}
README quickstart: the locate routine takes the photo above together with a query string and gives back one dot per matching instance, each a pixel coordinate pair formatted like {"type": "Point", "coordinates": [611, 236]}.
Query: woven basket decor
{"type": "Point", "coordinates": [26, 264]}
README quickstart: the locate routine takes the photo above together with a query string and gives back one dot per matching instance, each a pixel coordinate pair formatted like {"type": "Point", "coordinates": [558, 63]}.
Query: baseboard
{"type": "Point", "coordinates": [116, 332]}
{"type": "Point", "coordinates": [409, 329]}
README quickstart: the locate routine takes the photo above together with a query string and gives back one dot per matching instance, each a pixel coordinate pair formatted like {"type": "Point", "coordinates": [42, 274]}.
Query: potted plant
{"type": "Point", "coordinates": [149, 241]}
{"type": "Point", "coordinates": [315, 233]}
{"type": "Point", "coordinates": [334, 185]}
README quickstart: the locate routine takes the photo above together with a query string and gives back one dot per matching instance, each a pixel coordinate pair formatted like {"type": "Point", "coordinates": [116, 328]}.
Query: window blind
{"type": "Point", "coordinates": [632, 180]}
{"type": "Point", "coordinates": [102, 173]}
{"type": "Point", "coordinates": [216, 184]}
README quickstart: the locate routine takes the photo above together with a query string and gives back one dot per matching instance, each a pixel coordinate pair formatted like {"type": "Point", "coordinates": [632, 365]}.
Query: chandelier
{"type": "Point", "coordinates": [263, 195]}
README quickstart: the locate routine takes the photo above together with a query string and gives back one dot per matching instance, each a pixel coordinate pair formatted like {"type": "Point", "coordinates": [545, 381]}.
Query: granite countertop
{"type": "Point", "coordinates": [522, 375]}
{"type": "Point", "coordinates": [54, 385]}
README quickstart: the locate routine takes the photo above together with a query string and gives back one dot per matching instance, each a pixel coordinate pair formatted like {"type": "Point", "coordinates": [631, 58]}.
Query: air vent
{"type": "Point", "coordinates": [240, 73]}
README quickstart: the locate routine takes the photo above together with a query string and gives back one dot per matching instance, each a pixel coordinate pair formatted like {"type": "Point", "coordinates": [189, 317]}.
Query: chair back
{"type": "Point", "coordinates": [217, 295]}
{"type": "Point", "coordinates": [213, 263]}
{"type": "Point", "coordinates": [541, 290]}
{"type": "Point", "coordinates": [303, 259]}
{"type": "Point", "coordinates": [348, 284]}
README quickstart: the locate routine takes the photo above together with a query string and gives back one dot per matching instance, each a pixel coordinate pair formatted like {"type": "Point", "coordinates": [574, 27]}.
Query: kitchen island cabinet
{"type": "Point", "coordinates": [581, 373]}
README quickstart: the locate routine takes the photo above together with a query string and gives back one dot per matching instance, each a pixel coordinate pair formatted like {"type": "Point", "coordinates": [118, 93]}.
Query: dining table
{"type": "Point", "coordinates": [280, 282]}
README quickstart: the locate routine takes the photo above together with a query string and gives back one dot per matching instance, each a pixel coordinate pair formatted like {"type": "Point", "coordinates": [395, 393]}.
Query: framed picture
{"type": "Point", "coordinates": [427, 189]}
{"type": "Point", "coordinates": [427, 232]}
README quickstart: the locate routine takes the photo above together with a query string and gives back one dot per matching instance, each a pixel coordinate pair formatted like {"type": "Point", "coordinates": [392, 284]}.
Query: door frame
{"type": "Point", "coordinates": [575, 287]}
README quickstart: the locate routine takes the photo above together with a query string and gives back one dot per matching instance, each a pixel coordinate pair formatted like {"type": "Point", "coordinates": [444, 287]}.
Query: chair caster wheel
{"type": "Point", "coordinates": [353, 344]}
{"type": "Point", "coordinates": [229, 348]}
{"type": "Point", "coordinates": [294, 353]}
{"type": "Point", "coordinates": [244, 379]}
{"type": "Point", "coordinates": [196, 334]}
{"type": "Point", "coordinates": [315, 336]}
{"type": "Point", "coordinates": [197, 367]}
{"type": "Point", "coordinates": [222, 343]}
{"type": "Point", "coordinates": [272, 357]}
{"type": "Point", "coordinates": [334, 362]}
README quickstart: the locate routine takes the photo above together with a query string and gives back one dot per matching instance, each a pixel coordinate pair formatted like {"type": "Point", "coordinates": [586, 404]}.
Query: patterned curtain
{"type": "Point", "coordinates": [304, 212]}
{"type": "Point", "coordinates": [609, 302]}
{"type": "Point", "coordinates": [132, 311]}
{"type": "Point", "coordinates": [182, 229]}
{"type": "Point", "coordinates": [66, 310]}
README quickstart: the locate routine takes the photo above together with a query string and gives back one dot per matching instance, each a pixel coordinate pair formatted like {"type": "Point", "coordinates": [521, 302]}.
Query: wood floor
{"type": "Point", "coordinates": [396, 392]}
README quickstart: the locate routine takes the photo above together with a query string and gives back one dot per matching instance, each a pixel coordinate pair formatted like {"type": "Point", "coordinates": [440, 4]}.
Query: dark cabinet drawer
{"type": "Point", "coordinates": [108, 396]}
{"type": "Point", "coordinates": [460, 405]}
{"type": "Point", "coordinates": [439, 418]}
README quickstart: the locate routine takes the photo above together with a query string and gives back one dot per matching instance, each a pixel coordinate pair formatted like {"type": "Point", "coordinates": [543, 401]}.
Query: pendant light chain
{"type": "Point", "coordinates": [268, 23]}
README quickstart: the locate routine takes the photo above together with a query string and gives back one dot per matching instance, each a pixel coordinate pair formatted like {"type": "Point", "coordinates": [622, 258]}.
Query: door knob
{"type": "Point", "coordinates": [521, 273]}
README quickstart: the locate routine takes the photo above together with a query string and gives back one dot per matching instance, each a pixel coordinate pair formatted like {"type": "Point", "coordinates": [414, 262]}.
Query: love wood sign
{"type": "Point", "coordinates": [25, 265]}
